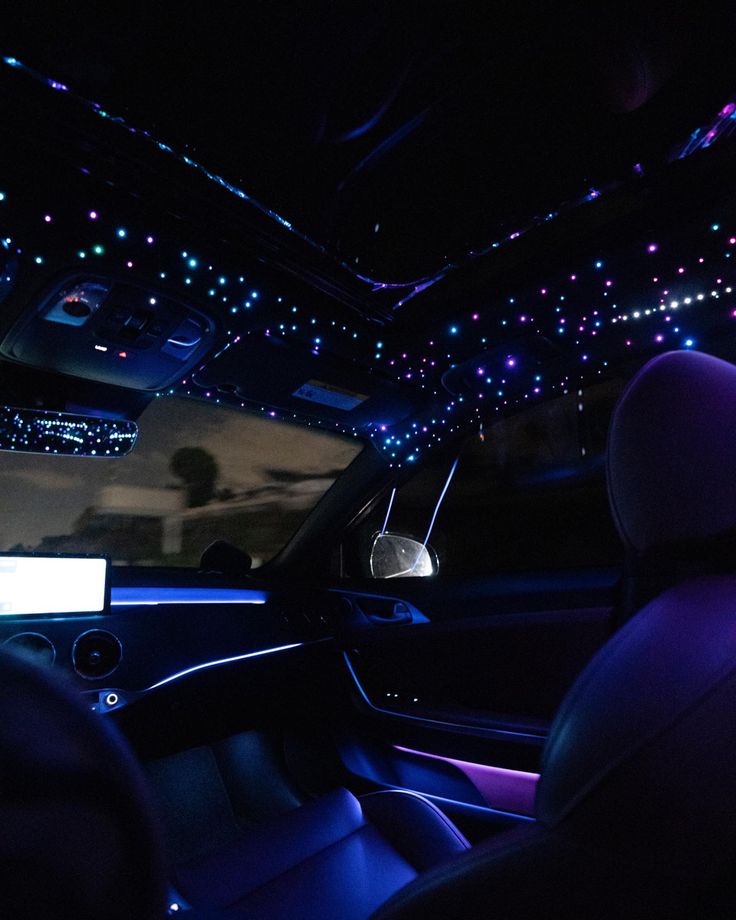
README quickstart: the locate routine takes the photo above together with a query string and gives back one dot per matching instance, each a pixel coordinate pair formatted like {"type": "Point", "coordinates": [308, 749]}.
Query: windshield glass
{"type": "Point", "coordinates": [198, 473]}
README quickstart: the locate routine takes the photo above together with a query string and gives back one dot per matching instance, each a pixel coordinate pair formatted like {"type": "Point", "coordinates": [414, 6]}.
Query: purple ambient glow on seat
{"type": "Point", "coordinates": [503, 789]}
{"type": "Point", "coordinates": [672, 451]}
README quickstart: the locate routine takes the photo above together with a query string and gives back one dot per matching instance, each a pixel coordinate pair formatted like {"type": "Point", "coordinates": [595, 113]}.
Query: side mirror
{"type": "Point", "coordinates": [394, 556]}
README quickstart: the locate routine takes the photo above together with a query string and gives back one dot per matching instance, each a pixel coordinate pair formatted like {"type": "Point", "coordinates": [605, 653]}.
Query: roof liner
{"type": "Point", "coordinates": [398, 135]}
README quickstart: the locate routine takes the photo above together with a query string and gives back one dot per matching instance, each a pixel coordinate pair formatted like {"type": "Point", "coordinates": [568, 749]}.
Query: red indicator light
{"type": "Point", "coordinates": [122, 354]}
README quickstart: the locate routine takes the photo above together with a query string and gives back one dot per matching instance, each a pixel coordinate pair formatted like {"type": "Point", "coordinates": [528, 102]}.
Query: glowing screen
{"type": "Point", "coordinates": [52, 584]}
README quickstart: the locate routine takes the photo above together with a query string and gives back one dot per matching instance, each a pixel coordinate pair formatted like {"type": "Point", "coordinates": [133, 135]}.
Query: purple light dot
{"type": "Point", "coordinates": [732, 241]}
{"type": "Point", "coordinates": [727, 109]}
{"type": "Point", "coordinates": [733, 313]}
{"type": "Point", "coordinates": [701, 260]}
{"type": "Point", "coordinates": [681, 270]}
{"type": "Point", "coordinates": [92, 215]}
{"type": "Point", "coordinates": [573, 277]}
{"type": "Point", "coordinates": [480, 371]}
{"type": "Point", "coordinates": [543, 291]}
{"type": "Point", "coordinates": [510, 361]}
{"type": "Point", "coordinates": [652, 247]}
{"type": "Point", "coordinates": [609, 283]}
{"type": "Point", "coordinates": [659, 338]}
{"type": "Point", "coordinates": [149, 240]}
{"type": "Point", "coordinates": [129, 264]}
{"type": "Point", "coordinates": [476, 316]}
{"type": "Point", "coordinates": [47, 218]}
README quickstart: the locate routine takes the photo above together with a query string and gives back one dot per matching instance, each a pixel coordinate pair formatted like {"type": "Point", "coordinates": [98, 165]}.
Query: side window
{"type": "Point", "coordinates": [527, 493]}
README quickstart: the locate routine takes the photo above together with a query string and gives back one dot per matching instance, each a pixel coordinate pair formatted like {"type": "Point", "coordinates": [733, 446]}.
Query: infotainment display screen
{"type": "Point", "coordinates": [52, 584]}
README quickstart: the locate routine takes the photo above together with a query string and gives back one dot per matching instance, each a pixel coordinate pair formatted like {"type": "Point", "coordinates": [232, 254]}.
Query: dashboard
{"type": "Point", "coordinates": [150, 640]}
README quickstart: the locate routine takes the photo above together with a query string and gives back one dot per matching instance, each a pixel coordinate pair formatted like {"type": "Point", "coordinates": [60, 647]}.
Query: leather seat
{"type": "Point", "coordinates": [79, 837]}
{"type": "Point", "coordinates": [335, 858]}
{"type": "Point", "coordinates": [636, 804]}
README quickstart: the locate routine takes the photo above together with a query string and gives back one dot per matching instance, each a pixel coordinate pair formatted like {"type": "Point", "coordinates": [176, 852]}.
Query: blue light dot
{"type": "Point", "coordinates": [122, 232]}
{"type": "Point", "coordinates": [599, 264]}
{"type": "Point", "coordinates": [379, 344]}
{"type": "Point", "coordinates": [454, 330]}
{"type": "Point", "coordinates": [222, 280]}
{"type": "Point", "coordinates": [318, 341]}
{"type": "Point", "coordinates": [38, 260]}
{"type": "Point", "coordinates": [254, 295]}
{"type": "Point", "coordinates": [187, 281]}
{"type": "Point", "coordinates": [192, 263]}
{"type": "Point", "coordinates": [715, 227]}
{"type": "Point", "coordinates": [688, 343]}
{"type": "Point", "coordinates": [2, 196]}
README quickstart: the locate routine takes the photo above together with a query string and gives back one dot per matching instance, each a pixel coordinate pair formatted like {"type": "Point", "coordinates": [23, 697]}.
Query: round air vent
{"type": "Point", "coordinates": [34, 646]}
{"type": "Point", "coordinates": [96, 653]}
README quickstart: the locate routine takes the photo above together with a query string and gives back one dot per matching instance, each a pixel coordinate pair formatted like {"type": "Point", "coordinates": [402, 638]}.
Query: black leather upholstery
{"type": "Point", "coordinates": [77, 836]}
{"type": "Point", "coordinates": [332, 859]}
{"type": "Point", "coordinates": [637, 801]}
{"type": "Point", "coordinates": [672, 451]}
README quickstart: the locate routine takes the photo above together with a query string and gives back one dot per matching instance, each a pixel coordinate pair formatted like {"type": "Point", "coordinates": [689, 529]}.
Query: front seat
{"type": "Point", "coordinates": [636, 806]}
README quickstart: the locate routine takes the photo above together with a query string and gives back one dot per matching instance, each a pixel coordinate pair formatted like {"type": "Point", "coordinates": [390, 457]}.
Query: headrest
{"type": "Point", "coordinates": [672, 452]}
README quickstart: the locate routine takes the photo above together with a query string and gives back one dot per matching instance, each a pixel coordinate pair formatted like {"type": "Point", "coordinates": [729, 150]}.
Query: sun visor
{"type": "Point", "coordinates": [267, 372]}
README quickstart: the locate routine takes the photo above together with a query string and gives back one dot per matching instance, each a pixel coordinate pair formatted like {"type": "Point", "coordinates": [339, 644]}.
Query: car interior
{"type": "Point", "coordinates": [367, 436]}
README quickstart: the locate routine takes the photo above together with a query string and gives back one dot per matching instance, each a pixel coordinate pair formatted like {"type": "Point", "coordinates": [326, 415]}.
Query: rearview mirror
{"type": "Point", "coordinates": [35, 431]}
{"type": "Point", "coordinates": [394, 556]}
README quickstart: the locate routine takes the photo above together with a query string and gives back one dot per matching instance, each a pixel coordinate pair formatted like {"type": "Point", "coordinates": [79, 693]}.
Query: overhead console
{"type": "Point", "coordinates": [102, 329]}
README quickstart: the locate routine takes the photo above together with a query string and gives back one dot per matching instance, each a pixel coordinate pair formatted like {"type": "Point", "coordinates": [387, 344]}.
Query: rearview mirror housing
{"type": "Point", "coordinates": [36, 431]}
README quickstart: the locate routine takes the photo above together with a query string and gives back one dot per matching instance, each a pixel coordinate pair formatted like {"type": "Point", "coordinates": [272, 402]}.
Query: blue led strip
{"type": "Point", "coordinates": [213, 664]}
{"type": "Point", "coordinates": [415, 718]}
{"type": "Point", "coordinates": [154, 597]}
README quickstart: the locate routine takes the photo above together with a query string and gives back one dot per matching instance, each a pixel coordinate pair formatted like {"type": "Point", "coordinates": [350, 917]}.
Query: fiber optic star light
{"type": "Point", "coordinates": [38, 432]}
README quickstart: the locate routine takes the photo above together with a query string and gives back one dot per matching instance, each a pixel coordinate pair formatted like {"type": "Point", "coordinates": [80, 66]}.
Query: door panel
{"type": "Point", "coordinates": [458, 705]}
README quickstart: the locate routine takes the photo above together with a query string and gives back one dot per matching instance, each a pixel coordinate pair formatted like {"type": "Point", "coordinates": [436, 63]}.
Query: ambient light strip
{"type": "Point", "coordinates": [213, 664]}
{"type": "Point", "coordinates": [414, 717]}
{"type": "Point", "coordinates": [503, 789]}
{"type": "Point", "coordinates": [153, 597]}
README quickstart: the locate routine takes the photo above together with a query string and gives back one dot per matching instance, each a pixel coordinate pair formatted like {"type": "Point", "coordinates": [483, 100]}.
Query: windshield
{"type": "Point", "coordinates": [198, 473]}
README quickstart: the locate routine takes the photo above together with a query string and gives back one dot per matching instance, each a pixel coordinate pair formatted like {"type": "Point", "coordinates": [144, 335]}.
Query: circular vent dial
{"type": "Point", "coordinates": [96, 653]}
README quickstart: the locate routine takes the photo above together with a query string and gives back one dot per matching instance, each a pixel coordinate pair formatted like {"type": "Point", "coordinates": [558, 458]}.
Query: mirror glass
{"type": "Point", "coordinates": [35, 431]}
{"type": "Point", "coordinates": [394, 556]}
